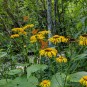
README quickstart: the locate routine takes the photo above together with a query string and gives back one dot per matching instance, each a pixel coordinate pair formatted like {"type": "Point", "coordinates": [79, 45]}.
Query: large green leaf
{"type": "Point", "coordinates": [4, 82]}
{"type": "Point", "coordinates": [77, 76]}
{"type": "Point", "coordinates": [33, 81]}
{"type": "Point", "coordinates": [80, 57]}
{"type": "Point", "coordinates": [15, 72]}
{"type": "Point", "coordinates": [34, 68]}
{"type": "Point", "coordinates": [20, 82]}
{"type": "Point", "coordinates": [58, 80]}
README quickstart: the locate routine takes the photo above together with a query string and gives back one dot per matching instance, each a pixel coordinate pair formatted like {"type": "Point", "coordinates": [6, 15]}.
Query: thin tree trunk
{"type": "Point", "coordinates": [49, 19]}
{"type": "Point", "coordinates": [55, 13]}
{"type": "Point", "coordinates": [56, 16]}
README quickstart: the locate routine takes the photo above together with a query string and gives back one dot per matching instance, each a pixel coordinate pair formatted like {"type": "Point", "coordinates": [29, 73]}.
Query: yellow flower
{"type": "Point", "coordinates": [83, 81]}
{"type": "Point", "coordinates": [36, 38]}
{"type": "Point", "coordinates": [20, 31]}
{"type": "Point", "coordinates": [17, 29]}
{"type": "Point", "coordinates": [63, 39]}
{"type": "Point", "coordinates": [40, 37]}
{"type": "Point", "coordinates": [33, 39]}
{"type": "Point", "coordinates": [23, 33]}
{"type": "Point", "coordinates": [83, 40]}
{"type": "Point", "coordinates": [48, 52]}
{"type": "Point", "coordinates": [44, 32]}
{"type": "Point", "coordinates": [54, 39]}
{"type": "Point", "coordinates": [45, 83]}
{"type": "Point", "coordinates": [61, 59]}
{"type": "Point", "coordinates": [28, 26]}
{"type": "Point", "coordinates": [14, 35]}
{"type": "Point", "coordinates": [57, 39]}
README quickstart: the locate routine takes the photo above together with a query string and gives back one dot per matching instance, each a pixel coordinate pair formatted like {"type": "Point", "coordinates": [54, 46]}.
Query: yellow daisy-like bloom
{"type": "Point", "coordinates": [33, 39]}
{"type": "Point", "coordinates": [22, 33]}
{"type": "Point", "coordinates": [57, 39]}
{"type": "Point", "coordinates": [28, 26]}
{"type": "Point", "coordinates": [83, 40]}
{"type": "Point", "coordinates": [36, 38]}
{"type": "Point", "coordinates": [45, 83]}
{"type": "Point", "coordinates": [14, 35]}
{"type": "Point", "coordinates": [40, 36]}
{"type": "Point", "coordinates": [17, 29]}
{"type": "Point", "coordinates": [83, 81]}
{"type": "Point", "coordinates": [48, 52]}
{"type": "Point", "coordinates": [61, 59]}
{"type": "Point", "coordinates": [44, 32]}
{"type": "Point", "coordinates": [54, 39]}
{"type": "Point", "coordinates": [63, 39]}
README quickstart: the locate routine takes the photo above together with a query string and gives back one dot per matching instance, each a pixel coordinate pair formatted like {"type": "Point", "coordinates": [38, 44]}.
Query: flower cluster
{"type": "Point", "coordinates": [57, 39]}
{"type": "Point", "coordinates": [83, 40]}
{"type": "Point", "coordinates": [36, 37]}
{"type": "Point", "coordinates": [61, 59]}
{"type": "Point", "coordinates": [20, 31]}
{"type": "Point", "coordinates": [83, 81]}
{"type": "Point", "coordinates": [45, 83]}
{"type": "Point", "coordinates": [39, 36]}
{"type": "Point", "coordinates": [28, 26]}
{"type": "Point", "coordinates": [44, 32]}
{"type": "Point", "coordinates": [14, 35]}
{"type": "Point", "coordinates": [48, 52]}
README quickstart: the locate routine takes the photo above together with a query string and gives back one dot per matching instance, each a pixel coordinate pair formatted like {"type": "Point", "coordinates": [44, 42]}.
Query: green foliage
{"type": "Point", "coordinates": [19, 82]}
{"type": "Point", "coordinates": [35, 68]}
{"type": "Point", "coordinates": [15, 72]}
{"type": "Point", "coordinates": [3, 54]}
{"type": "Point", "coordinates": [80, 57]}
{"type": "Point", "coordinates": [58, 80]}
{"type": "Point", "coordinates": [4, 82]}
{"type": "Point", "coordinates": [69, 19]}
{"type": "Point", "coordinates": [75, 77]}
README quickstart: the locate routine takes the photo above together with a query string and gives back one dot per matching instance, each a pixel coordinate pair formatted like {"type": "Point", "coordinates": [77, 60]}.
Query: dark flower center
{"type": "Point", "coordinates": [85, 35]}
{"type": "Point", "coordinates": [48, 50]}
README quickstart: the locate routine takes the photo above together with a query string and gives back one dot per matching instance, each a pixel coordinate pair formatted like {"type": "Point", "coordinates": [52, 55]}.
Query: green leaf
{"type": "Point", "coordinates": [16, 82]}
{"type": "Point", "coordinates": [33, 81]}
{"type": "Point", "coordinates": [77, 76]}
{"type": "Point", "coordinates": [23, 82]}
{"type": "Point", "coordinates": [79, 25]}
{"type": "Point", "coordinates": [15, 72]}
{"type": "Point", "coordinates": [58, 80]}
{"type": "Point", "coordinates": [3, 54]}
{"type": "Point", "coordinates": [80, 57]}
{"type": "Point", "coordinates": [35, 68]}
{"type": "Point", "coordinates": [4, 82]}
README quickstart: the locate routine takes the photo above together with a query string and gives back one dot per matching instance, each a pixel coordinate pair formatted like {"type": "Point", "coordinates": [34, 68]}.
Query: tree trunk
{"type": "Point", "coordinates": [49, 19]}
{"type": "Point", "coordinates": [55, 13]}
